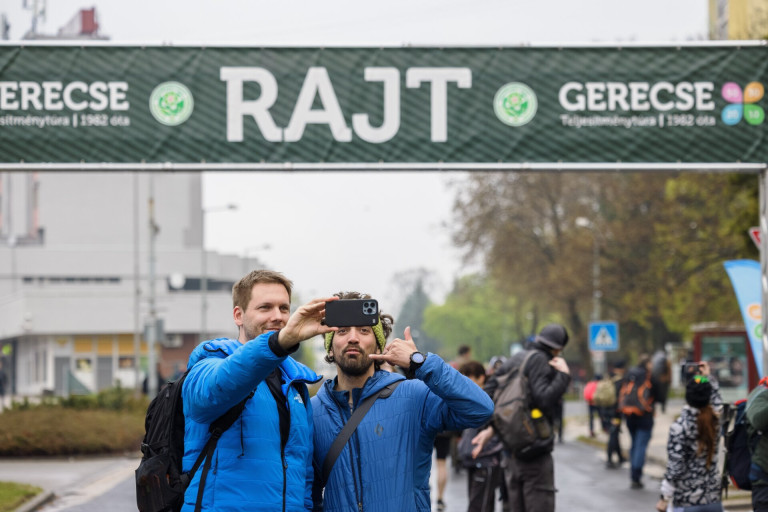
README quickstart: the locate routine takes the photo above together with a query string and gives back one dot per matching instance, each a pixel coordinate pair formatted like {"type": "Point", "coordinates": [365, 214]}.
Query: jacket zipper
{"type": "Point", "coordinates": [285, 469]}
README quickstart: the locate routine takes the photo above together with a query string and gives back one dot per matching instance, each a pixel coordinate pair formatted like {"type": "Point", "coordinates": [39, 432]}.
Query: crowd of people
{"type": "Point", "coordinates": [365, 441]}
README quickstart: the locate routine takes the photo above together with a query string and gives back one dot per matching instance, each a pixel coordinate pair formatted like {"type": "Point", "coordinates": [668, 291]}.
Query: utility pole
{"type": "Point", "coordinates": [204, 268]}
{"type": "Point", "coordinates": [38, 9]}
{"type": "Point", "coordinates": [136, 287]}
{"type": "Point", "coordinates": [152, 328]}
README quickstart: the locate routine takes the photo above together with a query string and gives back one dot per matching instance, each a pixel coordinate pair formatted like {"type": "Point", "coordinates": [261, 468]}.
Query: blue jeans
{"type": "Point", "coordinates": [640, 431]}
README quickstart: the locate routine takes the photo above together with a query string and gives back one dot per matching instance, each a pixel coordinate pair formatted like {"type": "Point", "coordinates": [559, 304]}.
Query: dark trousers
{"type": "Point", "coordinates": [482, 483]}
{"type": "Point", "coordinates": [640, 428]}
{"type": "Point", "coordinates": [530, 485]}
{"type": "Point", "coordinates": [593, 411]}
{"type": "Point", "coordinates": [614, 446]}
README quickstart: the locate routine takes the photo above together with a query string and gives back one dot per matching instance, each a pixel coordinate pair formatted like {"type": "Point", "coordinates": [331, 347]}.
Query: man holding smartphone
{"type": "Point", "coordinates": [385, 464]}
{"type": "Point", "coordinates": [264, 460]}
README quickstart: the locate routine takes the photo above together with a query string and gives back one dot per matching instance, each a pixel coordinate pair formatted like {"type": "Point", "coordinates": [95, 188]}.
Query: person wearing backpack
{"type": "Point", "coordinates": [636, 402]}
{"type": "Point", "coordinates": [692, 477]}
{"type": "Point", "coordinates": [531, 483]}
{"type": "Point", "coordinates": [264, 460]}
{"type": "Point", "coordinates": [757, 423]}
{"type": "Point", "coordinates": [592, 408]}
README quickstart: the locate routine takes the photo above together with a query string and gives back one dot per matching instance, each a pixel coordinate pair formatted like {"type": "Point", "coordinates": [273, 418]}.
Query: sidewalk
{"type": "Point", "coordinates": [82, 477]}
{"type": "Point", "coordinates": [577, 429]}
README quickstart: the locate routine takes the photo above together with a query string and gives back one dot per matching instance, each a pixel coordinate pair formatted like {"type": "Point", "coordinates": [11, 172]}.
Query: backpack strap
{"type": "Point", "coordinates": [217, 428]}
{"type": "Point", "coordinates": [504, 379]}
{"type": "Point", "coordinates": [525, 361]}
{"type": "Point", "coordinates": [351, 425]}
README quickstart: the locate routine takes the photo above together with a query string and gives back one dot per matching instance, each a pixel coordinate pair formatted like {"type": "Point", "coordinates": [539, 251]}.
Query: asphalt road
{"type": "Point", "coordinates": [583, 486]}
{"type": "Point", "coordinates": [583, 483]}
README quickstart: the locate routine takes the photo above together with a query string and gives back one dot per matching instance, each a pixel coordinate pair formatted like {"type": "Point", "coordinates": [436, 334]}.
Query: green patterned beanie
{"type": "Point", "coordinates": [378, 331]}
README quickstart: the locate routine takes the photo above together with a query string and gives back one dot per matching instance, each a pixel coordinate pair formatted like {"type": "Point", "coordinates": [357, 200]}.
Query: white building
{"type": "Point", "coordinates": [74, 278]}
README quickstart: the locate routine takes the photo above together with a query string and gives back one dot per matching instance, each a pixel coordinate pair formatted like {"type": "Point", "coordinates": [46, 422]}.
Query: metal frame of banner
{"type": "Point", "coordinates": [555, 44]}
{"type": "Point", "coordinates": [724, 167]}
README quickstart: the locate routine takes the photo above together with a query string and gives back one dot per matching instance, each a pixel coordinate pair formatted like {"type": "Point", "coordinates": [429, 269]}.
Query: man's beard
{"type": "Point", "coordinates": [253, 332]}
{"type": "Point", "coordinates": [354, 367]}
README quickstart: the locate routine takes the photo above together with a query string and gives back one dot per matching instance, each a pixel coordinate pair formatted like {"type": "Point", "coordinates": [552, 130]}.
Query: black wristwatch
{"type": "Point", "coordinates": [417, 359]}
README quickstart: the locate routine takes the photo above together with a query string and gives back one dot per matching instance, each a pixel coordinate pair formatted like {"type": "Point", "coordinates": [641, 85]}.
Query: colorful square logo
{"type": "Point", "coordinates": [743, 104]}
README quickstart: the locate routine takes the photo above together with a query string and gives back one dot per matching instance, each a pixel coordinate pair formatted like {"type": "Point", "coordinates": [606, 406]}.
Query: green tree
{"type": "Point", "coordinates": [412, 311]}
{"type": "Point", "coordinates": [660, 241]}
{"type": "Point", "coordinates": [524, 226]}
{"type": "Point", "coordinates": [478, 314]}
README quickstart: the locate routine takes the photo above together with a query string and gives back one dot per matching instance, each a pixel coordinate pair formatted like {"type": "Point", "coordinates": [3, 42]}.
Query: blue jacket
{"type": "Point", "coordinates": [386, 463]}
{"type": "Point", "coordinates": [250, 470]}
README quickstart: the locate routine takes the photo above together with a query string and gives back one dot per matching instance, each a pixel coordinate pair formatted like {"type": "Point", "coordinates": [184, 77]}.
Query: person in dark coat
{"type": "Point", "coordinates": [531, 484]}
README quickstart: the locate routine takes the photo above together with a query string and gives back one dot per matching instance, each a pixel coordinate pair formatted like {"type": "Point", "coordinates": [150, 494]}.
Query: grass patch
{"type": "Point", "coordinates": [13, 495]}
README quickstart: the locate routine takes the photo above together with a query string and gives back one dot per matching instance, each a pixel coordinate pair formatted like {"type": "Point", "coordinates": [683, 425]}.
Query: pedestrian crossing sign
{"type": "Point", "coordinates": [604, 336]}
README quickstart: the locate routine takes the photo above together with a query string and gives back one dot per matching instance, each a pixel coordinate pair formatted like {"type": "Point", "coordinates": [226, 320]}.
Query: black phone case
{"type": "Point", "coordinates": [351, 312]}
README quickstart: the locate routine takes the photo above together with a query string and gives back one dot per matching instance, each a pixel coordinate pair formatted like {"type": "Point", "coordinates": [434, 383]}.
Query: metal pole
{"type": "Point", "coordinates": [599, 361]}
{"type": "Point", "coordinates": [204, 269]}
{"type": "Point", "coordinates": [596, 293]}
{"type": "Point", "coordinates": [203, 283]}
{"type": "Point", "coordinates": [764, 264]}
{"type": "Point", "coordinates": [136, 287]}
{"type": "Point", "coordinates": [152, 329]}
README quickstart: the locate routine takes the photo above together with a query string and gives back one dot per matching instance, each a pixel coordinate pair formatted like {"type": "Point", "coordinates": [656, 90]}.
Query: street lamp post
{"type": "Point", "coordinates": [598, 360]}
{"type": "Point", "coordinates": [204, 269]}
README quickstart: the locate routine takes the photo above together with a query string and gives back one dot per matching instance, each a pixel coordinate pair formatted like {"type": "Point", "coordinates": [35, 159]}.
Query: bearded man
{"type": "Point", "coordinates": [385, 464]}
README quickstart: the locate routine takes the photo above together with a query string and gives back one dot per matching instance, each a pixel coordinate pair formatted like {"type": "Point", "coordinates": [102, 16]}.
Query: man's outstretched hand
{"type": "Point", "coordinates": [398, 351]}
{"type": "Point", "coordinates": [305, 322]}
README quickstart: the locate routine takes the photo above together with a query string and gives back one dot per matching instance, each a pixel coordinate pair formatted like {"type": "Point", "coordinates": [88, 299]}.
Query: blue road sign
{"type": "Point", "coordinates": [604, 336]}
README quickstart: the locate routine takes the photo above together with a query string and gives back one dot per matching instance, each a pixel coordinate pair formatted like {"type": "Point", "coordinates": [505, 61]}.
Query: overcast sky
{"type": "Point", "coordinates": [331, 231]}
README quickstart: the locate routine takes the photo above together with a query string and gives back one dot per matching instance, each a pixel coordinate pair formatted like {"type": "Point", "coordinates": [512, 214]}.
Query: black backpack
{"type": "Point", "coordinates": [739, 447]}
{"type": "Point", "coordinates": [160, 483]}
{"type": "Point", "coordinates": [512, 418]}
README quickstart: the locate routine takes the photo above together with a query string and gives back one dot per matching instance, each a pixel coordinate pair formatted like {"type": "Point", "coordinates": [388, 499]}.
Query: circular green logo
{"type": "Point", "coordinates": [515, 104]}
{"type": "Point", "coordinates": [171, 103]}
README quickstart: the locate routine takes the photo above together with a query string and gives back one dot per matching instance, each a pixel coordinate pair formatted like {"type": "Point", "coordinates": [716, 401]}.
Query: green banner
{"type": "Point", "coordinates": [232, 105]}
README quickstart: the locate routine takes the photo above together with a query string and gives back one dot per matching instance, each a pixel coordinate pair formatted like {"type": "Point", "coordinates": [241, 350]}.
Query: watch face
{"type": "Point", "coordinates": [417, 357]}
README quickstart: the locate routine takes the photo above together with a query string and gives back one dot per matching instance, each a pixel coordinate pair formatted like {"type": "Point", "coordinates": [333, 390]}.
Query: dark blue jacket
{"type": "Point", "coordinates": [385, 465]}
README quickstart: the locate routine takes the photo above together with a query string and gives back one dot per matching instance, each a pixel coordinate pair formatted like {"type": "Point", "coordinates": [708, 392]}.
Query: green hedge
{"type": "Point", "coordinates": [110, 422]}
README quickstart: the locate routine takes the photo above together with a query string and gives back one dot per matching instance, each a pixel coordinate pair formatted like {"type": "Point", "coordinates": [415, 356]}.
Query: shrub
{"type": "Point", "coordinates": [109, 422]}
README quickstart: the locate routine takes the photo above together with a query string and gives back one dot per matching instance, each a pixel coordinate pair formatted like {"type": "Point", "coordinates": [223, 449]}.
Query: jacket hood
{"type": "Point", "coordinates": [220, 347]}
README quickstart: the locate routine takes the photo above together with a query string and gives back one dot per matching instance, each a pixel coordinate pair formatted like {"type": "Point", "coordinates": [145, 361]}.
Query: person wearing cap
{"type": "Point", "coordinates": [385, 464]}
{"type": "Point", "coordinates": [692, 479]}
{"type": "Point", "coordinates": [531, 484]}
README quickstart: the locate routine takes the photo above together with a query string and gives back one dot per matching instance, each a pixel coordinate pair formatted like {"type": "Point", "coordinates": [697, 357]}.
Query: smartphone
{"type": "Point", "coordinates": [351, 312]}
{"type": "Point", "coordinates": [691, 369]}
